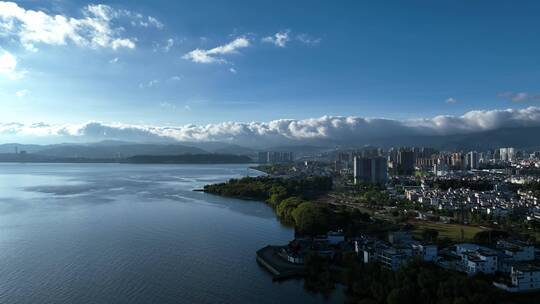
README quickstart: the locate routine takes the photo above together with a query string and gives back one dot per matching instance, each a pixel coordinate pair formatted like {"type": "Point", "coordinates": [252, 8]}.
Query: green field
{"type": "Point", "coordinates": [452, 231]}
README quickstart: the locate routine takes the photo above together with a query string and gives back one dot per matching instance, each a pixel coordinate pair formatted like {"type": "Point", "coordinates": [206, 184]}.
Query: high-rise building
{"type": "Point", "coordinates": [472, 161]}
{"type": "Point", "coordinates": [275, 157]}
{"type": "Point", "coordinates": [511, 154]}
{"type": "Point", "coordinates": [371, 152]}
{"type": "Point", "coordinates": [458, 161]}
{"type": "Point", "coordinates": [503, 154]}
{"type": "Point", "coordinates": [343, 157]}
{"type": "Point", "coordinates": [405, 162]}
{"type": "Point", "coordinates": [507, 154]}
{"type": "Point", "coordinates": [263, 157]}
{"type": "Point", "coordinates": [370, 169]}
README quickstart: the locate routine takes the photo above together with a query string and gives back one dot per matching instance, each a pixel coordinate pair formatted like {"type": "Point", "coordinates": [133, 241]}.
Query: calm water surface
{"type": "Point", "coordinates": [112, 233]}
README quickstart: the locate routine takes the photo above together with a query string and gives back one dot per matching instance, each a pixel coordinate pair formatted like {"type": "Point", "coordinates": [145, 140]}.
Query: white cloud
{"type": "Point", "coordinates": [95, 29]}
{"type": "Point", "coordinates": [279, 39]}
{"type": "Point", "coordinates": [215, 55]}
{"type": "Point", "coordinates": [8, 66]}
{"type": "Point", "coordinates": [164, 47]}
{"type": "Point", "coordinates": [451, 100]}
{"type": "Point", "coordinates": [149, 84]}
{"type": "Point", "coordinates": [22, 93]}
{"type": "Point", "coordinates": [168, 105]}
{"type": "Point", "coordinates": [175, 78]}
{"type": "Point", "coordinates": [169, 45]}
{"type": "Point", "coordinates": [150, 21]}
{"type": "Point", "coordinates": [172, 106]}
{"type": "Point", "coordinates": [233, 70]}
{"type": "Point", "coordinates": [307, 39]}
{"type": "Point", "coordinates": [114, 60]}
{"type": "Point", "coordinates": [519, 96]}
{"type": "Point", "coordinates": [335, 129]}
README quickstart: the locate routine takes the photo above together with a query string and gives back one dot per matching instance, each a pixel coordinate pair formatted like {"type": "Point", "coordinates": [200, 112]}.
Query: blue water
{"type": "Point", "coordinates": [113, 233]}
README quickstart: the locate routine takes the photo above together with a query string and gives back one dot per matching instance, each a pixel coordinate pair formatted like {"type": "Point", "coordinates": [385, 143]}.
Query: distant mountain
{"type": "Point", "coordinates": [300, 148]}
{"type": "Point", "coordinates": [103, 150]}
{"type": "Point", "coordinates": [522, 138]}
{"type": "Point", "coordinates": [222, 148]}
{"type": "Point", "coordinates": [11, 147]}
{"type": "Point", "coordinates": [189, 159]}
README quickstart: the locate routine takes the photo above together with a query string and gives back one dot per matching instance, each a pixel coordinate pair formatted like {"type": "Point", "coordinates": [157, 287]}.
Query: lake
{"type": "Point", "coordinates": [117, 233]}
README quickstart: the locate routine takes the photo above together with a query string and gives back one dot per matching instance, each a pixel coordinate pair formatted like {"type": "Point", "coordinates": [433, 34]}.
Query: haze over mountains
{"type": "Point", "coordinates": [523, 138]}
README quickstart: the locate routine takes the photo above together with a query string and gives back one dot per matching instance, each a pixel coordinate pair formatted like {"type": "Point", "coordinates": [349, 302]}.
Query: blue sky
{"type": "Point", "coordinates": [266, 60]}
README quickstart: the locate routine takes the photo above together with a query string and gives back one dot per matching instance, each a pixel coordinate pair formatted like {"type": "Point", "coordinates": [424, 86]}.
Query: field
{"type": "Point", "coordinates": [452, 231]}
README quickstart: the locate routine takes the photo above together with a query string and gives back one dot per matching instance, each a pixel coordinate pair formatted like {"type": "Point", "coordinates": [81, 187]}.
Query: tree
{"type": "Point", "coordinates": [490, 237]}
{"type": "Point", "coordinates": [311, 218]}
{"type": "Point", "coordinates": [277, 194]}
{"type": "Point", "coordinates": [430, 235]}
{"type": "Point", "coordinates": [318, 277]}
{"type": "Point", "coordinates": [287, 206]}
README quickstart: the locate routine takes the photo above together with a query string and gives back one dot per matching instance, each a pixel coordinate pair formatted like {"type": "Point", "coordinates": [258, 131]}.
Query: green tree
{"type": "Point", "coordinates": [311, 218]}
{"type": "Point", "coordinates": [277, 194]}
{"type": "Point", "coordinates": [430, 235]}
{"type": "Point", "coordinates": [287, 206]}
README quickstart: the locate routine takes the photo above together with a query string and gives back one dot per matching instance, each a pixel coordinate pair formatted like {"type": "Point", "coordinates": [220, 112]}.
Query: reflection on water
{"type": "Point", "coordinates": [111, 233]}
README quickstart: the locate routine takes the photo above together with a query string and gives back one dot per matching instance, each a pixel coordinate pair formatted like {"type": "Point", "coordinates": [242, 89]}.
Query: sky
{"type": "Point", "coordinates": [231, 70]}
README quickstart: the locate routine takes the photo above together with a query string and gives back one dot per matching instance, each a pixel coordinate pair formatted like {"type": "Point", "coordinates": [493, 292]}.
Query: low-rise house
{"type": "Point", "coordinates": [517, 250]}
{"type": "Point", "coordinates": [400, 250]}
{"type": "Point", "coordinates": [393, 258]}
{"type": "Point", "coordinates": [427, 252]}
{"type": "Point", "coordinates": [482, 260]}
{"type": "Point", "coordinates": [523, 278]}
{"type": "Point", "coordinates": [476, 258]}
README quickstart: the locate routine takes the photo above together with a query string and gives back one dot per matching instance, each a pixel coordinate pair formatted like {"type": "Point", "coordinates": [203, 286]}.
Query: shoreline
{"type": "Point", "coordinates": [122, 162]}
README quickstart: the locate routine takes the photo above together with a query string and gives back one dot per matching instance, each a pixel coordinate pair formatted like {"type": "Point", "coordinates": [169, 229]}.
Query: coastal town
{"type": "Point", "coordinates": [474, 213]}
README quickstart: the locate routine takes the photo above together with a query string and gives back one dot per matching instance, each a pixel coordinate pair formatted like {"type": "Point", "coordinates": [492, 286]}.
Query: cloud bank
{"type": "Point", "coordinates": [326, 129]}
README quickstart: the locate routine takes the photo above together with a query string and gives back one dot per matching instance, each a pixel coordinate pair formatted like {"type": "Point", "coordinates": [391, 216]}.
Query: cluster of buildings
{"type": "Point", "coordinates": [329, 245]}
{"type": "Point", "coordinates": [407, 160]}
{"type": "Point", "coordinates": [403, 161]}
{"type": "Point", "coordinates": [394, 253]}
{"type": "Point", "coordinates": [274, 157]}
{"type": "Point", "coordinates": [513, 261]}
{"type": "Point", "coordinates": [496, 203]}
{"type": "Point", "coordinates": [375, 165]}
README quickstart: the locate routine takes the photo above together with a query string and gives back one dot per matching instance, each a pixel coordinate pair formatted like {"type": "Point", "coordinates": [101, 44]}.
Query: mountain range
{"type": "Point", "coordinates": [521, 138]}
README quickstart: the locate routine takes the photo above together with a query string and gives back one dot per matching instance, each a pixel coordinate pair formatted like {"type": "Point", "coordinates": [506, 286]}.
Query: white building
{"type": "Point", "coordinates": [427, 253]}
{"type": "Point", "coordinates": [523, 277]}
{"type": "Point", "coordinates": [393, 258]}
{"type": "Point", "coordinates": [472, 160]}
{"type": "Point", "coordinates": [475, 258]}
{"type": "Point", "coordinates": [480, 261]}
{"type": "Point", "coordinates": [507, 154]}
{"type": "Point", "coordinates": [518, 251]}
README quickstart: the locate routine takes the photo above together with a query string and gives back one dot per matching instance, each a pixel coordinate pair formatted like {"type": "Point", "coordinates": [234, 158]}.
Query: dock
{"type": "Point", "coordinates": [280, 269]}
